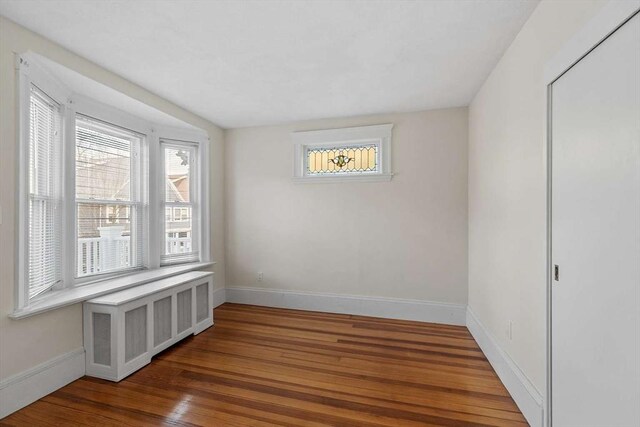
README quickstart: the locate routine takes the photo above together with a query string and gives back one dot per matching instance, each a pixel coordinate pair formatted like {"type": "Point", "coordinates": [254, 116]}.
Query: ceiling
{"type": "Point", "coordinates": [247, 63]}
{"type": "Point", "coordinates": [78, 84]}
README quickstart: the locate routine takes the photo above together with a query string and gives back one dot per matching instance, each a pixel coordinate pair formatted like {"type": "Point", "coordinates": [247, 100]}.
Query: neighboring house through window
{"type": "Point", "coordinates": [108, 197]}
{"type": "Point", "coordinates": [181, 201]}
{"type": "Point", "coordinates": [102, 191]}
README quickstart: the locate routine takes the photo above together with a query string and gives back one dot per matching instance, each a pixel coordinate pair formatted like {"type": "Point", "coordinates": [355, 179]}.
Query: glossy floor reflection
{"type": "Point", "coordinates": [263, 366]}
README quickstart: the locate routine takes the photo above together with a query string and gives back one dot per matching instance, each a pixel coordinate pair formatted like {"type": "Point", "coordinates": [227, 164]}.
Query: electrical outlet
{"type": "Point", "coordinates": [260, 276]}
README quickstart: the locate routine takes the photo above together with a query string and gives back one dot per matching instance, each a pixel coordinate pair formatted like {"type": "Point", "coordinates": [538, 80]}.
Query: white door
{"type": "Point", "coordinates": [595, 303]}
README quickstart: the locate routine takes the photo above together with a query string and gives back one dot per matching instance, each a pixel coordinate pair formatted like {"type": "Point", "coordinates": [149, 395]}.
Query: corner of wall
{"type": "Point", "coordinates": [522, 390]}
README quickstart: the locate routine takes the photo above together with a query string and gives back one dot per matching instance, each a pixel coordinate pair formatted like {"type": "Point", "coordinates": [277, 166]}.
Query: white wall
{"type": "Point", "coordinates": [507, 182]}
{"type": "Point", "coordinates": [29, 342]}
{"type": "Point", "coordinates": [406, 238]}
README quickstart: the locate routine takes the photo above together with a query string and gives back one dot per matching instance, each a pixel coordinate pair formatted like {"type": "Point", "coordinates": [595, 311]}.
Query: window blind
{"type": "Point", "coordinates": [109, 180]}
{"type": "Point", "coordinates": [44, 262]}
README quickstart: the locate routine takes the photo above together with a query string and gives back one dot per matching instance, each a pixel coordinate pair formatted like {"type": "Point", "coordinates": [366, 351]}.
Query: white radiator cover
{"type": "Point", "coordinates": [123, 330]}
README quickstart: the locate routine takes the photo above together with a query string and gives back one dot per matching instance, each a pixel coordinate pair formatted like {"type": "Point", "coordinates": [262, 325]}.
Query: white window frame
{"type": "Point", "coordinates": [378, 135]}
{"type": "Point", "coordinates": [78, 104]}
{"type": "Point", "coordinates": [31, 72]}
{"type": "Point", "coordinates": [193, 143]}
{"type": "Point", "coordinates": [139, 189]}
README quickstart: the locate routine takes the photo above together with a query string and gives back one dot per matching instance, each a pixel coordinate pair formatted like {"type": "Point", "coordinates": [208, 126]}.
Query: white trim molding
{"type": "Point", "coordinates": [26, 387]}
{"type": "Point", "coordinates": [389, 308]}
{"type": "Point", "coordinates": [378, 135]}
{"type": "Point", "coordinates": [69, 296]}
{"type": "Point", "coordinates": [219, 298]}
{"type": "Point", "coordinates": [523, 392]}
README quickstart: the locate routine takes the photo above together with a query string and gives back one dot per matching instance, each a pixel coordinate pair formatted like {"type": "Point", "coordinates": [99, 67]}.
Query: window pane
{"type": "Point", "coordinates": [342, 160]}
{"type": "Point", "coordinates": [103, 161]}
{"type": "Point", "coordinates": [178, 230]}
{"type": "Point", "coordinates": [44, 245]}
{"type": "Point", "coordinates": [104, 238]}
{"type": "Point", "coordinates": [108, 168]}
{"type": "Point", "coordinates": [177, 163]}
{"type": "Point", "coordinates": [45, 216]}
{"type": "Point", "coordinates": [180, 242]}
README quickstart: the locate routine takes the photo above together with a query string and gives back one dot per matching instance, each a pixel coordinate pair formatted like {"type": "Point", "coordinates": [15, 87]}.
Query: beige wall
{"type": "Point", "coordinates": [406, 238]}
{"type": "Point", "coordinates": [28, 342]}
{"type": "Point", "coordinates": [507, 182]}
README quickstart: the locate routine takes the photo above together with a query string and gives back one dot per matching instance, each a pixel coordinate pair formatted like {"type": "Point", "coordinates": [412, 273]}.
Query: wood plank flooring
{"type": "Point", "coordinates": [264, 366]}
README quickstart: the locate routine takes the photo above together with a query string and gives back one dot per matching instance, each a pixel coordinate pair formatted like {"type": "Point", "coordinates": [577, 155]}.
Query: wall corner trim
{"type": "Point", "coordinates": [28, 386]}
{"type": "Point", "coordinates": [219, 297]}
{"type": "Point", "coordinates": [523, 392]}
{"type": "Point", "coordinates": [390, 308]}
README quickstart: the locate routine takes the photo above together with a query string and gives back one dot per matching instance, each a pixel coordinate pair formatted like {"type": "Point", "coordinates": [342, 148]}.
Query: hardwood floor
{"type": "Point", "coordinates": [264, 366]}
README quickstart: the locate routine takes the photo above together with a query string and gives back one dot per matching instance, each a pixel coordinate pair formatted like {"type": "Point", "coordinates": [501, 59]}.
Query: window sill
{"type": "Point", "coordinates": [69, 296]}
{"type": "Point", "coordinates": [345, 178]}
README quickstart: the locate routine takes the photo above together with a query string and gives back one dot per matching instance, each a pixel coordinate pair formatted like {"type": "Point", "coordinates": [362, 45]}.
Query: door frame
{"type": "Point", "coordinates": [612, 16]}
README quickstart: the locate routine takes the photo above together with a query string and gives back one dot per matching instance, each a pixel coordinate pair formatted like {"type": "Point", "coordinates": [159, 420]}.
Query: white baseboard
{"type": "Point", "coordinates": [219, 297]}
{"type": "Point", "coordinates": [528, 399]}
{"type": "Point", "coordinates": [391, 308]}
{"type": "Point", "coordinates": [28, 386]}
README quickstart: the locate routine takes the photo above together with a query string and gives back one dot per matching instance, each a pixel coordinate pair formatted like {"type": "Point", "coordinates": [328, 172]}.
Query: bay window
{"type": "Point", "coordinates": [103, 192]}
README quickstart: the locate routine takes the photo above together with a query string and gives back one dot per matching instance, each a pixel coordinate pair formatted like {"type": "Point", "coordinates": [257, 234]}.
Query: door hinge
{"type": "Point", "coordinates": [556, 273]}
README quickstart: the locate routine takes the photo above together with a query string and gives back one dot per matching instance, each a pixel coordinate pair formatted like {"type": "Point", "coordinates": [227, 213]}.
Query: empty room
{"type": "Point", "coordinates": [320, 213]}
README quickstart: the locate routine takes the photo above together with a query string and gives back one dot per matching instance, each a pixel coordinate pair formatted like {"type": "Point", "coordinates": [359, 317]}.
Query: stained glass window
{"type": "Point", "coordinates": [344, 154]}
{"type": "Point", "coordinates": [342, 160]}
